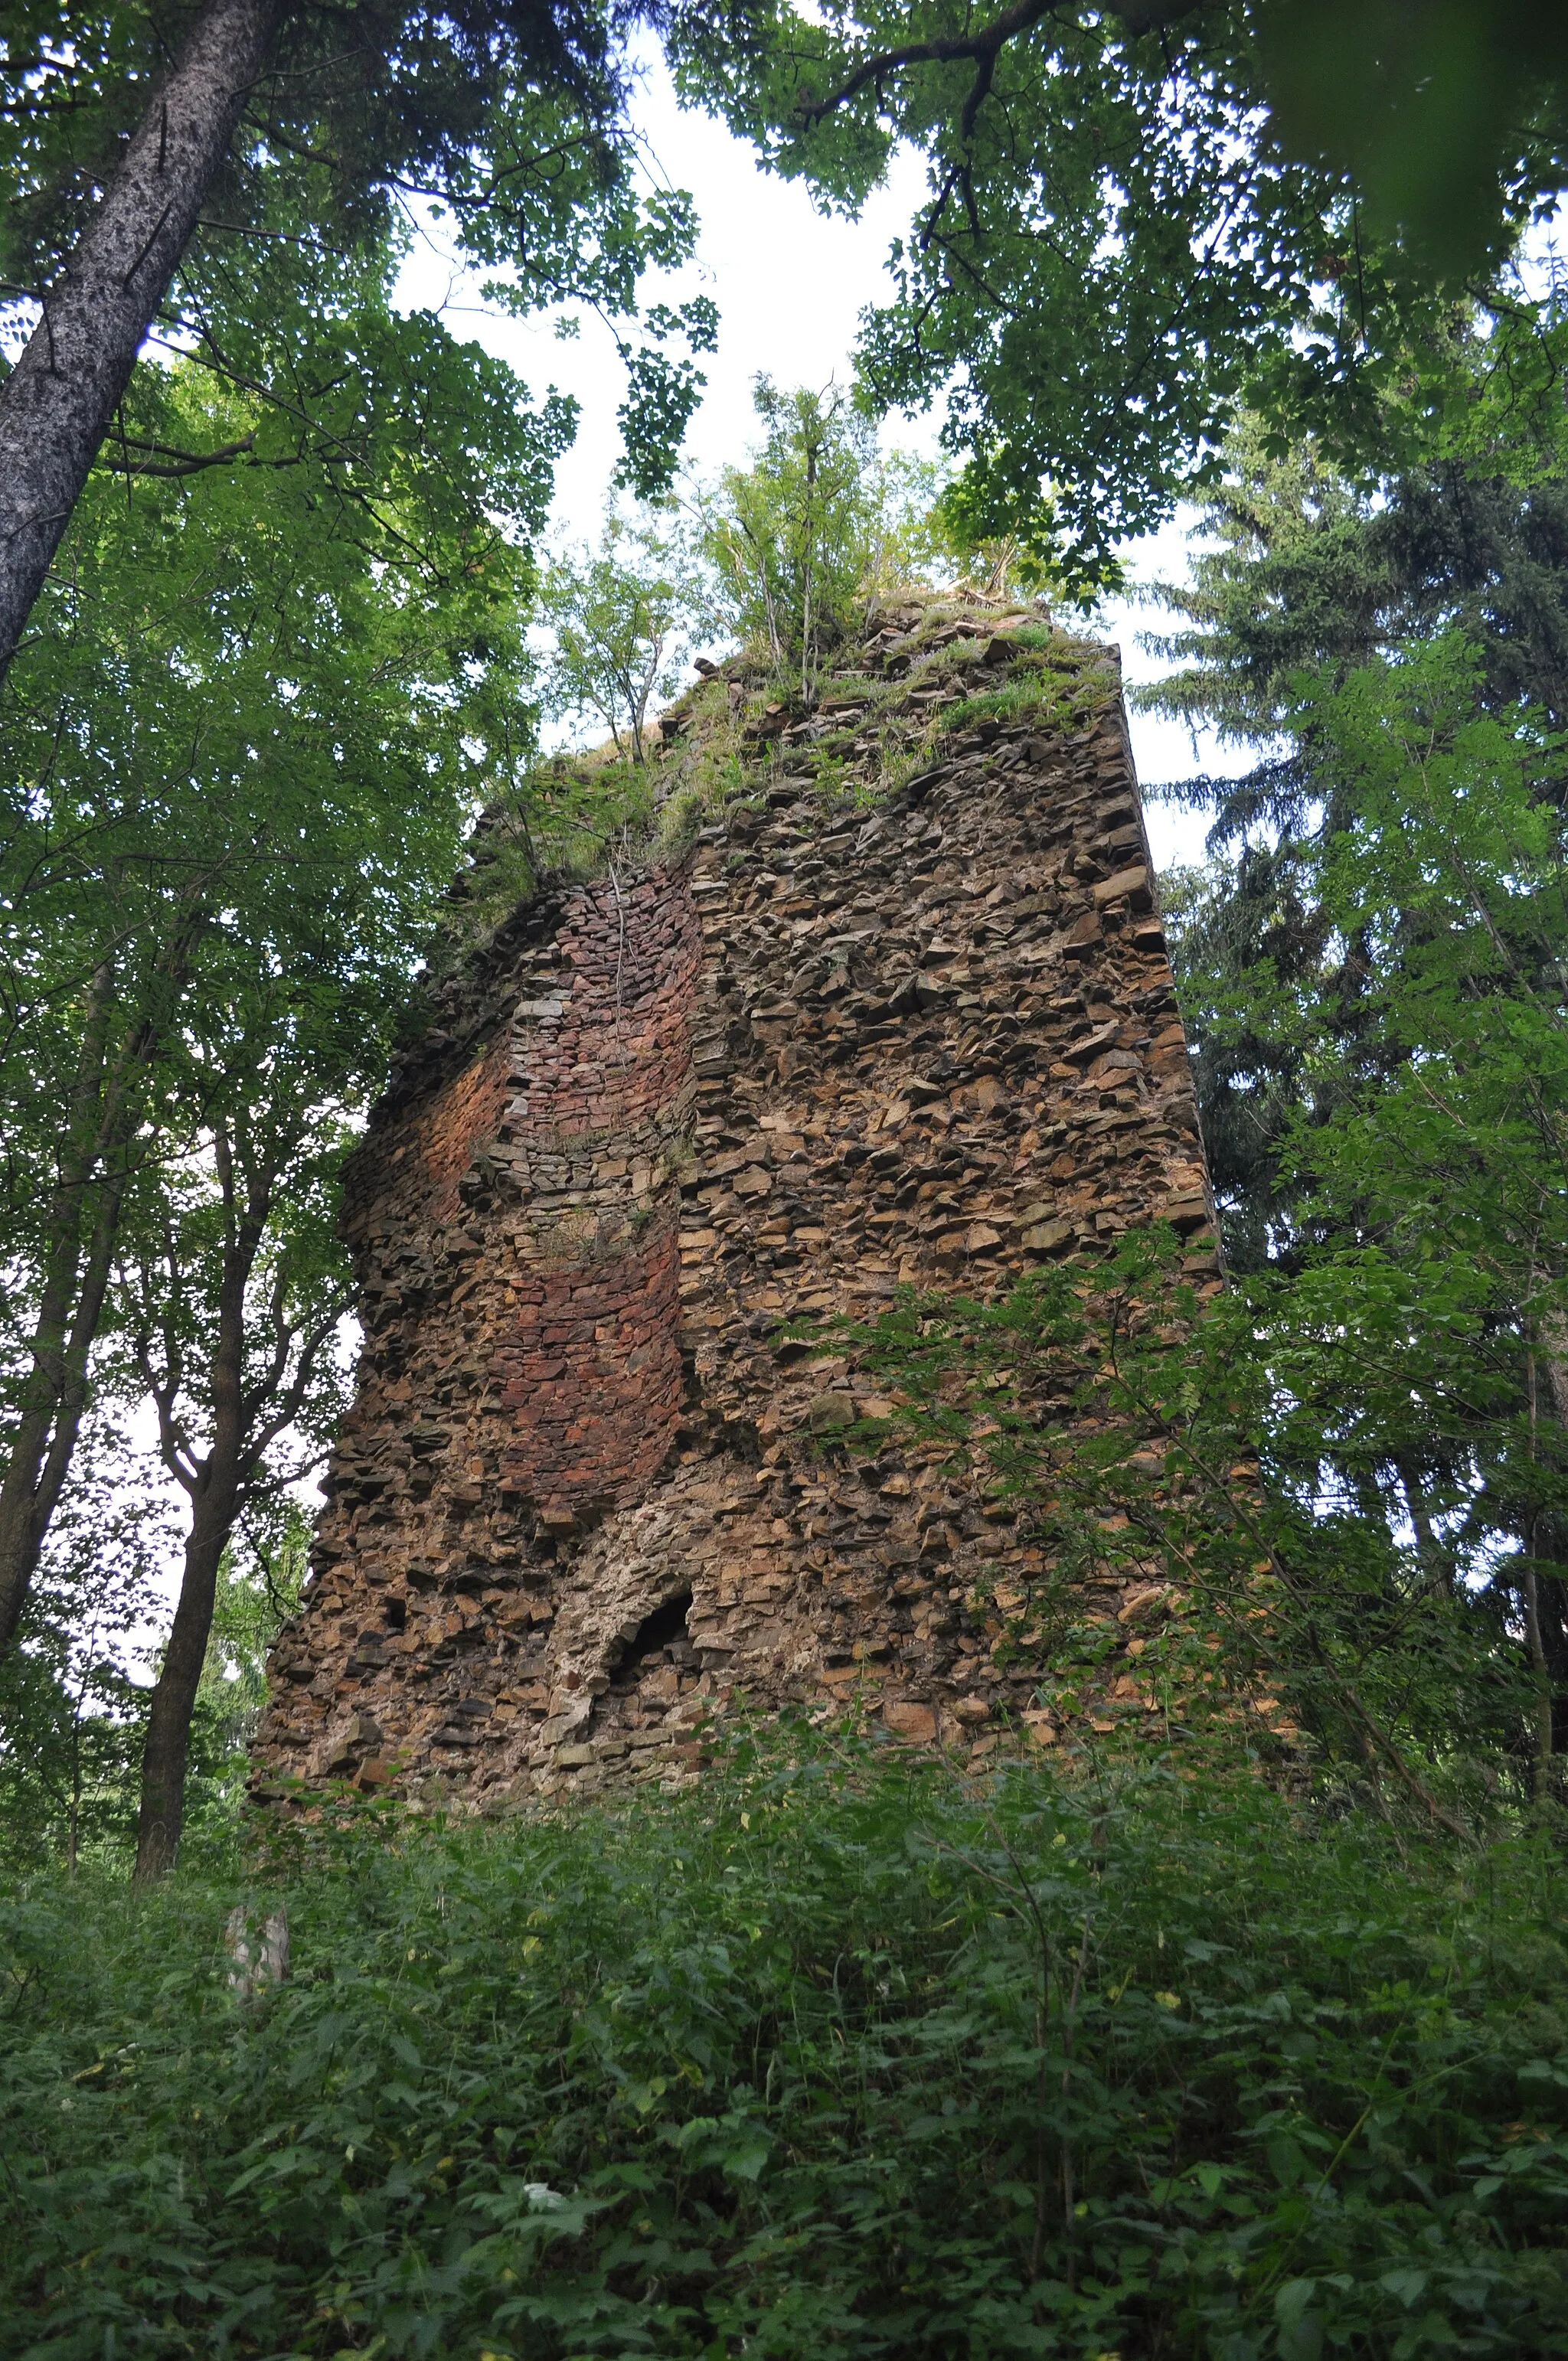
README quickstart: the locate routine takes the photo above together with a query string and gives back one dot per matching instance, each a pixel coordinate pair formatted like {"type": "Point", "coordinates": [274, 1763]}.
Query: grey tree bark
{"type": "Point", "coordinates": [57, 403]}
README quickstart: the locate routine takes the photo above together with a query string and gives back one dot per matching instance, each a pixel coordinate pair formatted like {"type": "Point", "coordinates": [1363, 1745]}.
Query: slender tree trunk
{"type": "Point", "coordinates": [1552, 1601]}
{"type": "Point", "coordinates": [73, 1833]}
{"type": "Point", "coordinates": [1549, 1621]}
{"type": "Point", "coordinates": [56, 405]}
{"type": "Point", "coordinates": [1540, 1759]}
{"type": "Point", "coordinates": [44, 1442]}
{"type": "Point", "coordinates": [1550, 1358]}
{"type": "Point", "coordinates": [812, 453]}
{"type": "Point", "coordinates": [161, 1819]}
{"type": "Point", "coordinates": [71, 1304]}
{"type": "Point", "coordinates": [1433, 1558]}
{"type": "Point", "coordinates": [217, 1487]}
{"type": "Point", "coordinates": [82, 1227]}
{"type": "Point", "coordinates": [1554, 1362]}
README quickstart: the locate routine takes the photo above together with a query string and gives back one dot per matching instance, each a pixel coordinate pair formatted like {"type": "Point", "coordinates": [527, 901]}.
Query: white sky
{"type": "Point", "coordinates": [790, 284]}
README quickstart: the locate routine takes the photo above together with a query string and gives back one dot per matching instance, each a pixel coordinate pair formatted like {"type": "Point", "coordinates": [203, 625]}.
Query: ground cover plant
{"type": "Point", "coordinates": [839, 2052]}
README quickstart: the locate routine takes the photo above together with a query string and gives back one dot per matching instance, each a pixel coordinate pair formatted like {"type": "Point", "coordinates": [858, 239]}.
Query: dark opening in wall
{"type": "Point", "coordinates": [655, 1670]}
{"type": "Point", "coordinates": [662, 1633]}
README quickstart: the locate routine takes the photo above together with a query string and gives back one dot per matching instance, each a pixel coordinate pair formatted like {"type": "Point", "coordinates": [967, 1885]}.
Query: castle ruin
{"type": "Point", "coordinates": [902, 1013]}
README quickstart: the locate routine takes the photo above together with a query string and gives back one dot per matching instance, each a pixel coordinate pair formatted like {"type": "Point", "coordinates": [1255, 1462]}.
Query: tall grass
{"type": "Point", "coordinates": [840, 2054]}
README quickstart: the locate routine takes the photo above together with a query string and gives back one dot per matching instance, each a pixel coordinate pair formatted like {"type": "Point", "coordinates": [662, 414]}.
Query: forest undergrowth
{"type": "Point", "coordinates": [1242, 2040]}
{"type": "Point", "coordinates": [841, 2051]}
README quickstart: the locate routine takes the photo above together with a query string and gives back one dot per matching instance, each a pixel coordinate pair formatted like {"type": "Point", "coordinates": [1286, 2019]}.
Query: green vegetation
{"type": "Point", "coordinates": [1138, 220]}
{"type": "Point", "coordinates": [797, 556]}
{"type": "Point", "coordinates": [787, 536]}
{"type": "Point", "coordinates": [1125, 1429]}
{"type": "Point", "coordinates": [1370, 970]}
{"type": "Point", "coordinates": [75, 1698]}
{"type": "Point", "coordinates": [238, 757]}
{"type": "Point", "coordinates": [835, 2051]}
{"type": "Point", "coordinates": [1051, 689]}
{"type": "Point", "coordinates": [803, 542]}
{"type": "Point", "coordinates": [619, 617]}
{"type": "Point", "coordinates": [1238, 2033]}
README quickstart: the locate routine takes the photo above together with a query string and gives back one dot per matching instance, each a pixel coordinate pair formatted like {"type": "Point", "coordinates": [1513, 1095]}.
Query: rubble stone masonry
{"type": "Point", "coordinates": [584, 1498]}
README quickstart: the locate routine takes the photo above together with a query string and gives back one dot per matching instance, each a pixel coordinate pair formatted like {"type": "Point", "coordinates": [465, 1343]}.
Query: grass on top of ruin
{"type": "Point", "coordinates": [839, 2051]}
{"type": "Point", "coordinates": [576, 816]}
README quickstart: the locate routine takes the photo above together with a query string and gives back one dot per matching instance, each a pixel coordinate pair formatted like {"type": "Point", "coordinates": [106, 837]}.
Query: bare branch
{"type": "Point", "coordinates": [164, 459]}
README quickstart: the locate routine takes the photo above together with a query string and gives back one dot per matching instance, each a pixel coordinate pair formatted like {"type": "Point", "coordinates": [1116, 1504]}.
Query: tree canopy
{"type": "Point", "coordinates": [1138, 216]}
{"type": "Point", "coordinates": [241, 753]}
{"type": "Point", "coordinates": [208, 175]}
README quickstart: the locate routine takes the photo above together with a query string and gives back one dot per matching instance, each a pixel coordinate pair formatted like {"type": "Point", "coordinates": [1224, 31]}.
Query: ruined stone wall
{"type": "Point", "coordinates": [583, 1502]}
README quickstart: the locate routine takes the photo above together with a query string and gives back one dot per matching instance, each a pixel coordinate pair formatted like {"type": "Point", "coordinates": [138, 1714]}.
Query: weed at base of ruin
{"type": "Point", "coordinates": [842, 2049]}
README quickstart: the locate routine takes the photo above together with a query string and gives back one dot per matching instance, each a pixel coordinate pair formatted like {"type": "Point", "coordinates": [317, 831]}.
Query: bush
{"type": "Point", "coordinates": [838, 2053]}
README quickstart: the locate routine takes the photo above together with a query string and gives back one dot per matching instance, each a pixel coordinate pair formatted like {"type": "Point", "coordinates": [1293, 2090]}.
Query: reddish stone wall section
{"type": "Point", "coordinates": [582, 1500]}
{"type": "Point", "coordinates": [414, 1178]}
{"type": "Point", "coordinates": [591, 1381]}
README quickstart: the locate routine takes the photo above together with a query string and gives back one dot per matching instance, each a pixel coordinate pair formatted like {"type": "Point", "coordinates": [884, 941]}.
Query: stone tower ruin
{"type": "Point", "coordinates": [903, 1012]}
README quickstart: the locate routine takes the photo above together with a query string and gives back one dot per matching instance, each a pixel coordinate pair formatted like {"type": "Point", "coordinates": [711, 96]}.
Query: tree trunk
{"type": "Point", "coordinates": [1550, 1604]}
{"type": "Point", "coordinates": [71, 1302]}
{"type": "Point", "coordinates": [217, 1488]}
{"type": "Point", "coordinates": [106, 1111]}
{"type": "Point", "coordinates": [1432, 1557]}
{"type": "Point", "coordinates": [163, 1815]}
{"type": "Point", "coordinates": [44, 1441]}
{"type": "Point", "coordinates": [56, 405]}
{"type": "Point", "coordinates": [1552, 1618]}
